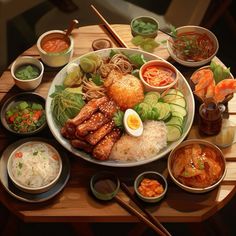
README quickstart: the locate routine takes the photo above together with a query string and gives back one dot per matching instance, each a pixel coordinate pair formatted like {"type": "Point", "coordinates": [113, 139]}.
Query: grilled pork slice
{"type": "Point", "coordinates": [103, 149]}
{"type": "Point", "coordinates": [95, 137]}
{"type": "Point", "coordinates": [68, 131]}
{"type": "Point", "coordinates": [108, 108]}
{"type": "Point", "coordinates": [76, 143]}
{"type": "Point", "coordinates": [90, 108]}
{"type": "Point", "coordinates": [95, 122]}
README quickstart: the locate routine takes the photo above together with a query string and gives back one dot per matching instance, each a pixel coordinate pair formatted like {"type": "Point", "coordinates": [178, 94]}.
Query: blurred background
{"type": "Point", "coordinates": [21, 23]}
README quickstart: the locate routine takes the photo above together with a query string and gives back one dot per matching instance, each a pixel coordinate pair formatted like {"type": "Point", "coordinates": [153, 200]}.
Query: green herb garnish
{"type": "Point", "coordinates": [27, 72]}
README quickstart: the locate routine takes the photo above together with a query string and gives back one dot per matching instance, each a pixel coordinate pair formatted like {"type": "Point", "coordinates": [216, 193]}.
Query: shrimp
{"type": "Point", "coordinates": [197, 76]}
{"type": "Point", "coordinates": [210, 91]}
{"type": "Point", "coordinates": [224, 88]}
{"type": "Point", "coordinates": [205, 81]}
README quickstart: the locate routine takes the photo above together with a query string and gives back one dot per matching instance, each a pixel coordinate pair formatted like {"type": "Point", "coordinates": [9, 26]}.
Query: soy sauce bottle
{"type": "Point", "coordinates": [210, 117]}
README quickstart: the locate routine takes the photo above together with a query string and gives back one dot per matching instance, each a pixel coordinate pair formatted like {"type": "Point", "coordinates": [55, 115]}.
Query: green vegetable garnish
{"type": "Point", "coordinates": [142, 27]}
{"type": "Point", "coordinates": [97, 79]}
{"type": "Point", "coordinates": [201, 165]}
{"type": "Point", "coordinates": [147, 44]}
{"type": "Point", "coordinates": [20, 165]}
{"type": "Point", "coordinates": [118, 119]}
{"type": "Point", "coordinates": [220, 73]}
{"type": "Point", "coordinates": [23, 105]}
{"type": "Point", "coordinates": [65, 105]}
{"type": "Point", "coordinates": [137, 59]}
{"type": "Point", "coordinates": [26, 72]}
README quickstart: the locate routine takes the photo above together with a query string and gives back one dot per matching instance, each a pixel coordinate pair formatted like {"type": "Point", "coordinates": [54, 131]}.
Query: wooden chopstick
{"type": "Point", "coordinates": [150, 216]}
{"type": "Point", "coordinates": [110, 29]}
{"type": "Point", "coordinates": [138, 215]}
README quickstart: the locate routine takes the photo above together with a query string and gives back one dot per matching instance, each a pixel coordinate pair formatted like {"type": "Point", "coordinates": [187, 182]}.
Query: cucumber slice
{"type": "Point", "coordinates": [175, 92]}
{"type": "Point", "coordinates": [164, 111]}
{"type": "Point", "coordinates": [175, 121]}
{"type": "Point", "coordinates": [177, 108]}
{"type": "Point", "coordinates": [152, 98]}
{"type": "Point", "coordinates": [174, 99]}
{"type": "Point", "coordinates": [177, 114]}
{"type": "Point", "coordinates": [173, 133]}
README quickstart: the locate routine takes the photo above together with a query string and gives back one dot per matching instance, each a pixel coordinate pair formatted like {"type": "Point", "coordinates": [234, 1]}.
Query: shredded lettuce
{"type": "Point", "coordinates": [65, 104]}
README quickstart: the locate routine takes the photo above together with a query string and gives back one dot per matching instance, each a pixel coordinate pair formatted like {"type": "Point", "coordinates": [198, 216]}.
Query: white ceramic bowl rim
{"type": "Point", "coordinates": [33, 188]}
{"type": "Point", "coordinates": [13, 69]}
{"type": "Point", "coordinates": [154, 173]}
{"type": "Point", "coordinates": [192, 189]}
{"type": "Point", "coordinates": [195, 63]}
{"type": "Point", "coordinates": [54, 53]}
{"type": "Point", "coordinates": [164, 63]}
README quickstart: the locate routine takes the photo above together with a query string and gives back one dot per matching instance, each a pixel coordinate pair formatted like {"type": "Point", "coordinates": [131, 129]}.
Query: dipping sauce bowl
{"type": "Point", "coordinates": [104, 185]}
{"type": "Point", "coordinates": [55, 48]}
{"type": "Point", "coordinates": [27, 72]}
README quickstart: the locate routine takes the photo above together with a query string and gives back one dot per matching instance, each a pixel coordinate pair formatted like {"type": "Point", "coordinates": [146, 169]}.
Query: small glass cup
{"type": "Point", "coordinates": [226, 137]}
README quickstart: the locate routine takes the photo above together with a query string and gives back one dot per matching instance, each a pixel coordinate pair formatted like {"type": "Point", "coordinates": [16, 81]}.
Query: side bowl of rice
{"type": "Point", "coordinates": [34, 167]}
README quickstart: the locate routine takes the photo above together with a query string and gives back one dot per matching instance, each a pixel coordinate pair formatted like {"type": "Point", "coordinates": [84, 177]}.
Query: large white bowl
{"type": "Point", "coordinates": [182, 85]}
{"type": "Point", "coordinates": [197, 29]}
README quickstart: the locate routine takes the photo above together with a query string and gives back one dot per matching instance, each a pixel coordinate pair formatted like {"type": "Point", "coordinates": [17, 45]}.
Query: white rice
{"type": "Point", "coordinates": [37, 166]}
{"type": "Point", "coordinates": [148, 145]}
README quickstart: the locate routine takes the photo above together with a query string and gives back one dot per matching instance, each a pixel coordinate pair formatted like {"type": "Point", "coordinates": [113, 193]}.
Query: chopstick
{"type": "Point", "coordinates": [139, 216]}
{"type": "Point", "coordinates": [154, 220]}
{"type": "Point", "coordinates": [110, 29]}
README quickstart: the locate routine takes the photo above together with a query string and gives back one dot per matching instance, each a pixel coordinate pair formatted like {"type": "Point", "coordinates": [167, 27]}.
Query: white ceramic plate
{"type": "Point", "coordinates": [182, 85]}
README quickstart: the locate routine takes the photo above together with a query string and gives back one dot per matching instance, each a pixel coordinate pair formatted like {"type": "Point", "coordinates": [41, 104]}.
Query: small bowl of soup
{"type": "Point", "coordinates": [55, 48]}
{"type": "Point", "coordinates": [192, 46]}
{"type": "Point", "coordinates": [34, 167]}
{"type": "Point", "coordinates": [197, 166]}
{"type": "Point", "coordinates": [158, 75]}
{"type": "Point", "coordinates": [27, 72]}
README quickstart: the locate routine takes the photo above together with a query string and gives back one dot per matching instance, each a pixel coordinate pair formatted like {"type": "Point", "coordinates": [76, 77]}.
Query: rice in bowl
{"type": "Point", "coordinates": [34, 166]}
{"type": "Point", "coordinates": [148, 145]}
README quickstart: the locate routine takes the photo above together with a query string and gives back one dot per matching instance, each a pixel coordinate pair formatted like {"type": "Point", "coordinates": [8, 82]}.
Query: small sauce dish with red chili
{"type": "Point", "coordinates": [158, 75]}
{"type": "Point", "coordinates": [55, 48]}
{"type": "Point", "coordinates": [150, 186]}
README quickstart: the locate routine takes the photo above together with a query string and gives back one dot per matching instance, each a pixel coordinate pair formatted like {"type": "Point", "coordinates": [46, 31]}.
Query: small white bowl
{"type": "Point", "coordinates": [29, 84]}
{"type": "Point", "coordinates": [33, 190]}
{"type": "Point", "coordinates": [55, 59]}
{"type": "Point", "coordinates": [194, 189]}
{"type": "Point", "coordinates": [165, 64]}
{"type": "Point", "coordinates": [197, 29]}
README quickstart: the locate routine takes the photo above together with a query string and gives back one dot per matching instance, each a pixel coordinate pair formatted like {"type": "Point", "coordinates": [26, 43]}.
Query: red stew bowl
{"type": "Point", "coordinates": [157, 75]}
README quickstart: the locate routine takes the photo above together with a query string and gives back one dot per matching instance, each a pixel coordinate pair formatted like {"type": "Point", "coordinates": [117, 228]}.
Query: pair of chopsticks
{"type": "Point", "coordinates": [108, 27]}
{"type": "Point", "coordinates": [149, 219]}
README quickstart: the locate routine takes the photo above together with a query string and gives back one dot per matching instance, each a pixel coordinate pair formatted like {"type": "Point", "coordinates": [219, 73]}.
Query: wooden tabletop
{"type": "Point", "coordinates": [75, 203]}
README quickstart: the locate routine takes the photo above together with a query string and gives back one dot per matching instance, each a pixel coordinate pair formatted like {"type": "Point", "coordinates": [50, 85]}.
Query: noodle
{"type": "Point", "coordinates": [122, 62]}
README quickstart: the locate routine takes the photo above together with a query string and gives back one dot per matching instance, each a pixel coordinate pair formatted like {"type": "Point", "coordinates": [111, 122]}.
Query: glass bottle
{"type": "Point", "coordinates": [210, 117]}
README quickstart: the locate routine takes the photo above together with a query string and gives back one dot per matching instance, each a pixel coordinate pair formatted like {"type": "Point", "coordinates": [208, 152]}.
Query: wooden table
{"type": "Point", "coordinates": [75, 203]}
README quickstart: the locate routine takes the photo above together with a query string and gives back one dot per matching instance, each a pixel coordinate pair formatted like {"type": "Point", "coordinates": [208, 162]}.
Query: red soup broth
{"type": "Point", "coordinates": [158, 75]}
{"type": "Point", "coordinates": [55, 45]}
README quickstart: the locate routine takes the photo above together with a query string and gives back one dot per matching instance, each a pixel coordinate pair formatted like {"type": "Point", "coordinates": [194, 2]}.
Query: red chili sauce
{"type": "Point", "coordinates": [55, 45]}
{"type": "Point", "coordinates": [156, 75]}
{"type": "Point", "coordinates": [192, 46]}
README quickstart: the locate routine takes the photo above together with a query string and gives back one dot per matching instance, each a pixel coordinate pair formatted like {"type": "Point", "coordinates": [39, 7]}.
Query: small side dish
{"type": "Point", "coordinates": [192, 45]}
{"type": "Point", "coordinates": [24, 114]}
{"type": "Point", "coordinates": [55, 48]}
{"type": "Point", "coordinates": [34, 167]}
{"type": "Point", "coordinates": [197, 165]}
{"type": "Point", "coordinates": [158, 75]}
{"type": "Point", "coordinates": [150, 186]}
{"type": "Point", "coordinates": [27, 72]}
{"type": "Point", "coordinates": [213, 82]}
{"type": "Point", "coordinates": [144, 26]}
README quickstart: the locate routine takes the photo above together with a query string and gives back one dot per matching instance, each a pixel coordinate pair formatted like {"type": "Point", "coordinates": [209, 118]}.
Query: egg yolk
{"type": "Point", "coordinates": [133, 122]}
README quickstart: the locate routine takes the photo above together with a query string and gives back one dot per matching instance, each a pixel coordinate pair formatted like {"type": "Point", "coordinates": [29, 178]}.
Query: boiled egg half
{"type": "Point", "coordinates": [132, 123]}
